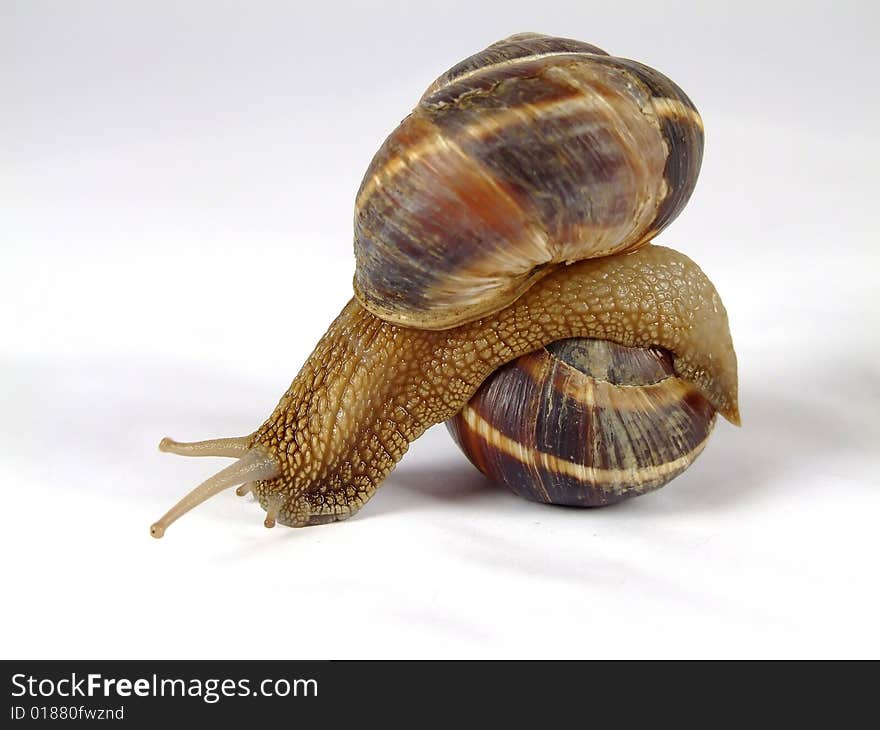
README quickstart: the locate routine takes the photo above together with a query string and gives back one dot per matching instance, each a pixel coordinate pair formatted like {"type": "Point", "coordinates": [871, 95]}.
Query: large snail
{"type": "Point", "coordinates": [510, 212]}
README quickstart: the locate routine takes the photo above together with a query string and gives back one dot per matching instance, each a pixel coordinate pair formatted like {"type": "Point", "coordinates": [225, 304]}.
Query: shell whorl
{"type": "Point", "coordinates": [535, 152]}
{"type": "Point", "coordinates": [584, 422]}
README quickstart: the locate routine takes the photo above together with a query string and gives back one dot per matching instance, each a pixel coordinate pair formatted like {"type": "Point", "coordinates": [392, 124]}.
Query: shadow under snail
{"type": "Point", "coordinates": [506, 283]}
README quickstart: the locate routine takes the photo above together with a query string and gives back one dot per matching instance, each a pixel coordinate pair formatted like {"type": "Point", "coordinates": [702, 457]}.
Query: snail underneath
{"type": "Point", "coordinates": [509, 219]}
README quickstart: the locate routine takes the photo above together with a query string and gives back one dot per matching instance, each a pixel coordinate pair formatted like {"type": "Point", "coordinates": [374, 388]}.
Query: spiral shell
{"type": "Point", "coordinates": [535, 152]}
{"type": "Point", "coordinates": [584, 422]}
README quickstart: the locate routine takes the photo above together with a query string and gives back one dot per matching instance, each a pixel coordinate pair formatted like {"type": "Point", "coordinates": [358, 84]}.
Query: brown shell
{"type": "Point", "coordinates": [535, 152]}
{"type": "Point", "coordinates": [584, 422]}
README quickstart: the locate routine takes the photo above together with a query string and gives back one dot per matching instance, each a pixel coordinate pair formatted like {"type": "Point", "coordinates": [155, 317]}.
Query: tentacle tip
{"type": "Point", "coordinates": [166, 444]}
{"type": "Point", "coordinates": [157, 530]}
{"type": "Point", "coordinates": [269, 522]}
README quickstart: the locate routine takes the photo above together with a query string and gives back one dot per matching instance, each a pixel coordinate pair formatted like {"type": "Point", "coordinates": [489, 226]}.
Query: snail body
{"type": "Point", "coordinates": [512, 209]}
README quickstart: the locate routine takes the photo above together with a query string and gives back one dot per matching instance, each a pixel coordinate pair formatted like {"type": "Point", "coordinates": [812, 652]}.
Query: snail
{"type": "Point", "coordinates": [509, 215]}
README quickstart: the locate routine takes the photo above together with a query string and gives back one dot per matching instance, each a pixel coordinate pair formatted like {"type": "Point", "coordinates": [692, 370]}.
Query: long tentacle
{"type": "Point", "coordinates": [237, 446]}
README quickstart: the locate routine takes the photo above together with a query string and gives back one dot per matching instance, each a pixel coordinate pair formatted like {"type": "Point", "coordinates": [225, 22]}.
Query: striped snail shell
{"type": "Point", "coordinates": [584, 422]}
{"type": "Point", "coordinates": [536, 152]}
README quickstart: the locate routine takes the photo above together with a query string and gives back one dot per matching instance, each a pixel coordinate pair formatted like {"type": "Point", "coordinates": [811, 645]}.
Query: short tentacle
{"type": "Point", "coordinates": [245, 489]}
{"type": "Point", "coordinates": [273, 508]}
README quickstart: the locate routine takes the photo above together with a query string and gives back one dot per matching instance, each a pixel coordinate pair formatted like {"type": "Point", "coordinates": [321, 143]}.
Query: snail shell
{"type": "Point", "coordinates": [584, 422]}
{"type": "Point", "coordinates": [535, 152]}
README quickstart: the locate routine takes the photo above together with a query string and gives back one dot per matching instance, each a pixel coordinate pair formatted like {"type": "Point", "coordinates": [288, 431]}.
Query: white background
{"type": "Point", "coordinates": [176, 192]}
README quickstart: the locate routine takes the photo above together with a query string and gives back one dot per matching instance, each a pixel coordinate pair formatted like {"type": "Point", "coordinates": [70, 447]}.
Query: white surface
{"type": "Point", "coordinates": [176, 191]}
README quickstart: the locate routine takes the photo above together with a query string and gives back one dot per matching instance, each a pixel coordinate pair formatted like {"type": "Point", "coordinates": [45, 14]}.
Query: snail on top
{"type": "Point", "coordinates": [509, 219]}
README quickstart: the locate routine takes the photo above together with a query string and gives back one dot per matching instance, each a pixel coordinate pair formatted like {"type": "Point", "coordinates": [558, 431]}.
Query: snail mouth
{"type": "Point", "coordinates": [255, 464]}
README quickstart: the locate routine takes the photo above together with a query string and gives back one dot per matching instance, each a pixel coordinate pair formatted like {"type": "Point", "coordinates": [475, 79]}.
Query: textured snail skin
{"type": "Point", "coordinates": [371, 387]}
{"type": "Point", "coordinates": [584, 423]}
{"type": "Point", "coordinates": [533, 153]}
